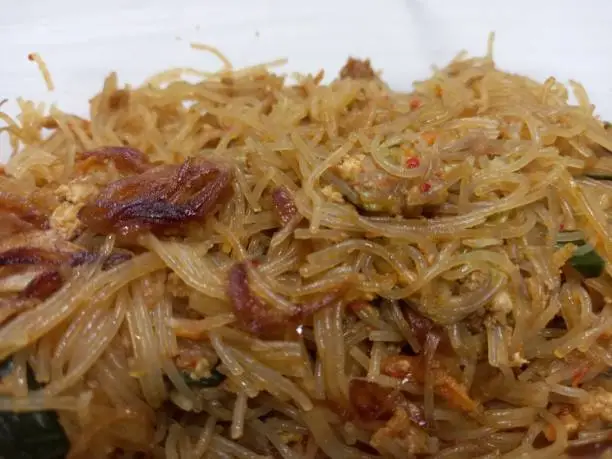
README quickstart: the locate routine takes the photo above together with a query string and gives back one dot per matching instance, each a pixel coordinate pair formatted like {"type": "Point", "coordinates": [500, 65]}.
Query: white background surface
{"type": "Point", "coordinates": [82, 40]}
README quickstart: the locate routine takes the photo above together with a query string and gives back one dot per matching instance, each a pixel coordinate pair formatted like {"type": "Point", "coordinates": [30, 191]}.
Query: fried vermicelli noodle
{"type": "Point", "coordinates": [247, 266]}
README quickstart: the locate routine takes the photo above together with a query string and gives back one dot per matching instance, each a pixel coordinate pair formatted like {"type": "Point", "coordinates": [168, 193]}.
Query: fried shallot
{"type": "Point", "coordinates": [158, 199]}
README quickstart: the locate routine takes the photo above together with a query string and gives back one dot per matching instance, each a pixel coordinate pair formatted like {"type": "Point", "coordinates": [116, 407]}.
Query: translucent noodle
{"type": "Point", "coordinates": [240, 264]}
{"type": "Point", "coordinates": [42, 66]}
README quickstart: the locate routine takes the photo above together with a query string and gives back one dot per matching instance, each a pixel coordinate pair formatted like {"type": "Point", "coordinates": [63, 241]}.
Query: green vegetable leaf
{"type": "Point", "coordinates": [585, 258]}
{"type": "Point", "coordinates": [587, 261]}
{"type": "Point", "coordinates": [36, 435]}
{"type": "Point", "coordinates": [596, 176]}
{"type": "Point", "coordinates": [30, 435]}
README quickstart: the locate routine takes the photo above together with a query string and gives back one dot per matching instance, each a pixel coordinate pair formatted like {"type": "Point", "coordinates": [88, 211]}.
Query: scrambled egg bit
{"type": "Point", "coordinates": [332, 194]}
{"type": "Point", "coordinates": [599, 404]}
{"type": "Point", "coordinates": [73, 197]}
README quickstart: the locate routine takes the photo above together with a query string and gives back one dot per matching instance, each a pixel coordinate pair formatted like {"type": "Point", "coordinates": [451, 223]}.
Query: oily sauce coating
{"type": "Point", "coordinates": [158, 199]}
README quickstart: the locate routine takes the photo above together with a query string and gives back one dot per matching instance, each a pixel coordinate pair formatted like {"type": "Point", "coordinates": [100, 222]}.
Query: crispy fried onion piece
{"type": "Point", "coordinates": [17, 214]}
{"type": "Point", "coordinates": [397, 422]}
{"type": "Point", "coordinates": [419, 324]}
{"type": "Point", "coordinates": [37, 256]}
{"type": "Point", "coordinates": [259, 318]}
{"type": "Point", "coordinates": [44, 285]}
{"type": "Point", "coordinates": [125, 159]}
{"type": "Point", "coordinates": [117, 257]}
{"type": "Point", "coordinates": [34, 265]}
{"type": "Point", "coordinates": [400, 436]}
{"type": "Point", "coordinates": [445, 385]}
{"type": "Point", "coordinates": [357, 69]}
{"type": "Point", "coordinates": [422, 326]}
{"type": "Point", "coordinates": [46, 240]}
{"type": "Point", "coordinates": [161, 198]}
{"type": "Point", "coordinates": [284, 205]}
{"type": "Point", "coordinates": [371, 403]}
{"type": "Point", "coordinates": [41, 248]}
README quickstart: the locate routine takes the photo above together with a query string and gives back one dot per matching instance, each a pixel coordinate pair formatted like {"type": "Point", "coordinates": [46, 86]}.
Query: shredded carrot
{"type": "Point", "coordinates": [579, 375]}
{"type": "Point", "coordinates": [550, 433]}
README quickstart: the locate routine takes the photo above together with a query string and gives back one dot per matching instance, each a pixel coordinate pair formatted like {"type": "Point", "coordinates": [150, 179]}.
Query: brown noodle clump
{"type": "Point", "coordinates": [247, 267]}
